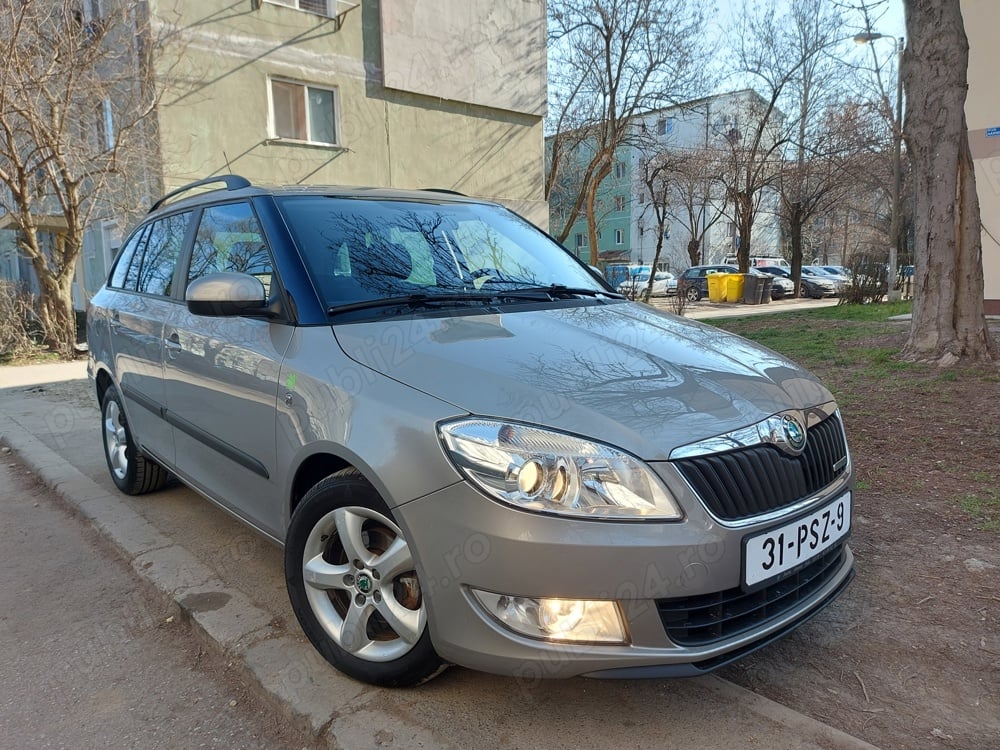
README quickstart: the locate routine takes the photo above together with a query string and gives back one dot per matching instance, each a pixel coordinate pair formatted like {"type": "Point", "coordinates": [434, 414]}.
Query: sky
{"type": "Point", "coordinates": [891, 22]}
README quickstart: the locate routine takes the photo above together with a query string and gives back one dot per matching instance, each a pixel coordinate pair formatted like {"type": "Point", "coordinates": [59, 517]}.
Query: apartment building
{"type": "Point", "coordinates": [628, 225]}
{"type": "Point", "coordinates": [392, 93]}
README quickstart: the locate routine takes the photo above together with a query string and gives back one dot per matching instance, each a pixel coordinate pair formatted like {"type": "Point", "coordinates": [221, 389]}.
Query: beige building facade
{"type": "Point", "coordinates": [398, 93]}
{"type": "Point", "coordinates": [982, 111]}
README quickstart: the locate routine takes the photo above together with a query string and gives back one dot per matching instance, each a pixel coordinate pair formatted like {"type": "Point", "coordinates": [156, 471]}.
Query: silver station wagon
{"type": "Point", "coordinates": [472, 449]}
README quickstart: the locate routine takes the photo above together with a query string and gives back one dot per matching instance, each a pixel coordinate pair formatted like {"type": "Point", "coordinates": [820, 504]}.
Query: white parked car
{"type": "Point", "coordinates": [664, 284]}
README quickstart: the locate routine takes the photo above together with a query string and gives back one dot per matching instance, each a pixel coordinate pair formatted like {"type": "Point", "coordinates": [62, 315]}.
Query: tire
{"type": "Point", "coordinates": [132, 472]}
{"type": "Point", "coordinates": [368, 621]}
{"type": "Point", "coordinates": [692, 293]}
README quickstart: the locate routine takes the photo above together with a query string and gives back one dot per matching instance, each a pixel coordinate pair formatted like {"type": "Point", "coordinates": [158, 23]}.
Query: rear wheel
{"type": "Point", "coordinates": [353, 585]}
{"type": "Point", "coordinates": [693, 294]}
{"type": "Point", "coordinates": [131, 471]}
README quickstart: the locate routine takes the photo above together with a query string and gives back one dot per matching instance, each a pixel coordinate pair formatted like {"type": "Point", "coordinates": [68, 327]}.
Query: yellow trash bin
{"type": "Point", "coordinates": [716, 287]}
{"type": "Point", "coordinates": [734, 287]}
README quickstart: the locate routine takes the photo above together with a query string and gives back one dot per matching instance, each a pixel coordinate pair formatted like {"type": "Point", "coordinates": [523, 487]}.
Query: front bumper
{"type": "Point", "coordinates": [463, 540]}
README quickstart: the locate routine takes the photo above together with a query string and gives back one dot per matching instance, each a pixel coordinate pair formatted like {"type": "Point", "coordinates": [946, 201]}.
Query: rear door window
{"type": "Point", "coordinates": [123, 276]}
{"type": "Point", "coordinates": [163, 246]}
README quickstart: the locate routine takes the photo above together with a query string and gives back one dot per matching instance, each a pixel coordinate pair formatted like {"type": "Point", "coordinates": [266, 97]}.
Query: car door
{"type": "Point", "coordinates": [221, 375]}
{"type": "Point", "coordinates": [143, 282]}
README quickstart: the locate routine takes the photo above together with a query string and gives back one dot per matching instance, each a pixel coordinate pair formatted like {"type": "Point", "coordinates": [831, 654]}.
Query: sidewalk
{"type": "Point", "coordinates": [229, 584]}
{"type": "Point", "coordinates": [704, 309]}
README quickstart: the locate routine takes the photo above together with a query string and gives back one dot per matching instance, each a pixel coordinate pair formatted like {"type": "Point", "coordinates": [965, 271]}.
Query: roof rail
{"type": "Point", "coordinates": [233, 182]}
{"type": "Point", "coordinates": [444, 190]}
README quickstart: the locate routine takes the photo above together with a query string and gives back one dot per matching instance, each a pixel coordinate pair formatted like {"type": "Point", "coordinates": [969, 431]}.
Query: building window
{"type": "Point", "coordinates": [619, 237]}
{"type": "Point", "coordinates": [661, 127]}
{"type": "Point", "coordinates": [619, 169]}
{"type": "Point", "coordinates": [581, 240]}
{"type": "Point", "coordinates": [304, 113]}
{"type": "Point", "coordinates": [320, 7]}
{"type": "Point", "coordinates": [619, 203]}
{"type": "Point", "coordinates": [105, 126]}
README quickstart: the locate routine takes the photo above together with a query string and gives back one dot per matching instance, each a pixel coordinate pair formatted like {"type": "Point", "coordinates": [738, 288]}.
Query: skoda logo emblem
{"type": "Point", "coordinates": [795, 434]}
{"type": "Point", "coordinates": [364, 584]}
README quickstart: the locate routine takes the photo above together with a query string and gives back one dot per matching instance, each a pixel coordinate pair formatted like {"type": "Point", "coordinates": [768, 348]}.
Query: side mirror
{"type": "Point", "coordinates": [226, 294]}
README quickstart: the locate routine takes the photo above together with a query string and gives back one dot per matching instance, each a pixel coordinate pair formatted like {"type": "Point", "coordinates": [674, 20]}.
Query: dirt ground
{"type": "Point", "coordinates": [909, 657]}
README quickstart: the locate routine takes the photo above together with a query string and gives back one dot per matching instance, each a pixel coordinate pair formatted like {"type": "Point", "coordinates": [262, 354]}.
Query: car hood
{"type": "Point", "coordinates": [622, 373]}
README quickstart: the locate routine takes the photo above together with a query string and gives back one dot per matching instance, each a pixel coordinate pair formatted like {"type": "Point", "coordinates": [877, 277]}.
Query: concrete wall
{"type": "Point", "coordinates": [418, 127]}
{"type": "Point", "coordinates": [982, 110]}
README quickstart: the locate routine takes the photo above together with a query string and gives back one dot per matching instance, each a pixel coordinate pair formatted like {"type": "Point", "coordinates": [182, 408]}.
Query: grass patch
{"type": "Point", "coordinates": [39, 357]}
{"type": "Point", "coordinates": [984, 507]}
{"type": "Point", "coordinates": [829, 336]}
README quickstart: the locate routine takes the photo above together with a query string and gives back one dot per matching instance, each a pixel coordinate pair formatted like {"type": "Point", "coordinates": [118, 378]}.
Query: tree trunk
{"type": "Point", "coordinates": [795, 234]}
{"type": "Point", "coordinates": [603, 170]}
{"type": "Point", "coordinates": [948, 323]}
{"type": "Point", "coordinates": [55, 310]}
{"type": "Point", "coordinates": [694, 251]}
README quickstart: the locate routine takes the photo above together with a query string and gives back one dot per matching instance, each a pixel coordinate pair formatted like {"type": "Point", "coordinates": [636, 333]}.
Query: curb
{"type": "Point", "coordinates": [286, 671]}
{"type": "Point", "coordinates": [289, 673]}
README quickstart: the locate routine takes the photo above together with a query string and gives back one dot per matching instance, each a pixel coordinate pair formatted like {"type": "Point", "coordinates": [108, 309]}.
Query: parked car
{"type": "Point", "coordinates": [781, 286]}
{"type": "Point", "coordinates": [664, 284]}
{"type": "Point", "coordinates": [840, 282]}
{"type": "Point", "coordinates": [473, 450]}
{"type": "Point", "coordinates": [813, 286]}
{"type": "Point", "coordinates": [693, 283]}
{"type": "Point", "coordinates": [838, 270]}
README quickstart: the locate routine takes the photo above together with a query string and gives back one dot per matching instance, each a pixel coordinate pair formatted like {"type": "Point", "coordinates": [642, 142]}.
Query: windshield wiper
{"type": "Point", "coordinates": [413, 301]}
{"type": "Point", "coordinates": [561, 290]}
{"type": "Point", "coordinates": [419, 301]}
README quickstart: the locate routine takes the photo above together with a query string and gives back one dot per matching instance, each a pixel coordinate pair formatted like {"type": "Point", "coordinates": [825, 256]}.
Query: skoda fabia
{"type": "Point", "coordinates": [472, 449]}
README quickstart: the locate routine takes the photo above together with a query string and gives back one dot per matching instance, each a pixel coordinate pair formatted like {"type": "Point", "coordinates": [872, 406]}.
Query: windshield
{"type": "Point", "coordinates": [359, 249]}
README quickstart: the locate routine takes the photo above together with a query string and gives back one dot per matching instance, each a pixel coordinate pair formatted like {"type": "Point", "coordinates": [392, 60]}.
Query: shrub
{"type": "Point", "coordinates": [19, 329]}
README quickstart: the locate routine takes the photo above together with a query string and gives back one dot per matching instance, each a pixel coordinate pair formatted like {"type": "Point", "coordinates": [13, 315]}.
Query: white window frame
{"type": "Point", "coordinates": [272, 128]}
{"type": "Point", "coordinates": [331, 7]}
{"type": "Point", "coordinates": [620, 203]}
{"type": "Point", "coordinates": [619, 236]}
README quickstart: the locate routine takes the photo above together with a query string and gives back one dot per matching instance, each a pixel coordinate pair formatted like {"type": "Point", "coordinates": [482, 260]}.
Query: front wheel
{"type": "Point", "coordinates": [131, 471]}
{"type": "Point", "coordinates": [692, 294]}
{"type": "Point", "coordinates": [352, 583]}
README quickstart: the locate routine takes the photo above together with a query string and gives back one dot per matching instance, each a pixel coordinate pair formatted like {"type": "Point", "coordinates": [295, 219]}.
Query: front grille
{"type": "Point", "coordinates": [760, 479]}
{"type": "Point", "coordinates": [709, 618]}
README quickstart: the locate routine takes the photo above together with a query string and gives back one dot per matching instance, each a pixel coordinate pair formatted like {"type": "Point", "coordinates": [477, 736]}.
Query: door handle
{"type": "Point", "coordinates": [116, 320]}
{"type": "Point", "coordinates": [172, 344]}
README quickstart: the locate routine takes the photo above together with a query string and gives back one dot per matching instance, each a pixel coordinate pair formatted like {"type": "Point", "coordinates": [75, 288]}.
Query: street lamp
{"type": "Point", "coordinates": [897, 174]}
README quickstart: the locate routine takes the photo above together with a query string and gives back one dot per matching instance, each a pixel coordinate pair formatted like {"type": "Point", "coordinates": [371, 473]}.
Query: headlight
{"type": "Point", "coordinates": [541, 470]}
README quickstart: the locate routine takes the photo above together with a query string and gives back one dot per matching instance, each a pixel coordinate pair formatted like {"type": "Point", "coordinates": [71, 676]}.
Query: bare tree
{"type": "Point", "coordinates": [696, 178]}
{"type": "Point", "coordinates": [74, 104]}
{"type": "Point", "coordinates": [655, 174]}
{"type": "Point", "coordinates": [751, 146]}
{"type": "Point", "coordinates": [782, 55]}
{"type": "Point", "coordinates": [825, 173]}
{"type": "Point", "coordinates": [618, 58]}
{"type": "Point", "coordinates": [948, 323]}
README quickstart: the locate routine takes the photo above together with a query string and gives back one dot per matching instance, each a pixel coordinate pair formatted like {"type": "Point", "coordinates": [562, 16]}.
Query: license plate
{"type": "Point", "coordinates": [777, 550]}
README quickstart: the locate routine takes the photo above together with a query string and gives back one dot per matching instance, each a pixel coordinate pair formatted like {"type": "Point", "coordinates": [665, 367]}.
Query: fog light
{"type": "Point", "coordinates": [577, 620]}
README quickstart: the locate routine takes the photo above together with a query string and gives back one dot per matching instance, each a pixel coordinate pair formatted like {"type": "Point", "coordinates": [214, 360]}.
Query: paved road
{"type": "Point", "coordinates": [53, 420]}
{"type": "Point", "coordinates": [91, 659]}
